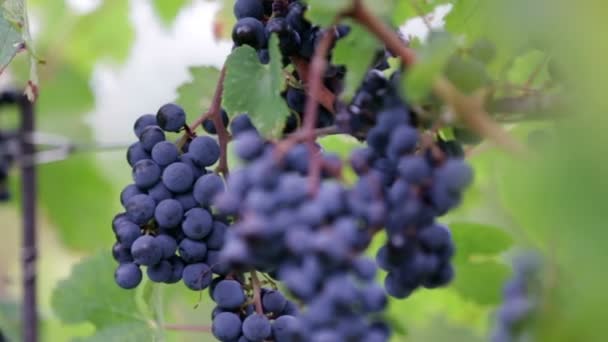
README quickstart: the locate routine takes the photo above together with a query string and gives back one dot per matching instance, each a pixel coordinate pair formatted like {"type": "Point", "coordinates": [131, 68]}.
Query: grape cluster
{"type": "Point", "coordinates": [416, 185]}
{"type": "Point", "coordinates": [521, 299]}
{"type": "Point", "coordinates": [311, 243]}
{"type": "Point", "coordinates": [258, 20]}
{"type": "Point", "coordinates": [167, 225]}
{"type": "Point", "coordinates": [235, 318]}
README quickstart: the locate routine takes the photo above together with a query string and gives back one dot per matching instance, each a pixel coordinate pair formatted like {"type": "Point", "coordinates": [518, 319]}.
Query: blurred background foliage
{"type": "Point", "coordinates": [107, 62]}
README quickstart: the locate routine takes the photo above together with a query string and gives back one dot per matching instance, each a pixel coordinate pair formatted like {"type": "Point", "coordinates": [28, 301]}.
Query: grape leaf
{"type": "Point", "coordinates": [15, 37]}
{"type": "Point", "coordinates": [93, 198]}
{"type": "Point", "coordinates": [323, 12]}
{"type": "Point", "coordinates": [405, 10]}
{"type": "Point", "coordinates": [479, 276]}
{"type": "Point", "coordinates": [432, 57]}
{"type": "Point", "coordinates": [255, 88]}
{"type": "Point", "coordinates": [10, 325]}
{"type": "Point", "coordinates": [90, 294]}
{"type": "Point", "coordinates": [196, 96]}
{"type": "Point", "coordinates": [129, 332]}
{"type": "Point", "coordinates": [359, 42]}
{"type": "Point", "coordinates": [167, 10]}
{"type": "Point", "coordinates": [11, 39]}
{"type": "Point", "coordinates": [530, 66]}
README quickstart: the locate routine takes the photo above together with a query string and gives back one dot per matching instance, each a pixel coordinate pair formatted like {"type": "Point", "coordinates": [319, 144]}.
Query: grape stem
{"type": "Point", "coordinates": [469, 108]}
{"type": "Point", "coordinates": [326, 97]}
{"type": "Point", "coordinates": [187, 328]}
{"type": "Point", "coordinates": [222, 132]}
{"type": "Point", "coordinates": [257, 298]}
{"type": "Point", "coordinates": [315, 79]}
{"type": "Point", "coordinates": [215, 114]}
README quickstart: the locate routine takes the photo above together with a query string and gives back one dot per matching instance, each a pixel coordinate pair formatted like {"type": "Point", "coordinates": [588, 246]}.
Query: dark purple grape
{"type": "Point", "coordinates": [207, 187]}
{"type": "Point", "coordinates": [136, 152]}
{"type": "Point", "coordinates": [178, 177]}
{"type": "Point", "coordinates": [169, 213]}
{"type": "Point", "coordinates": [146, 173]}
{"type": "Point", "coordinates": [165, 153]}
{"type": "Point", "coordinates": [226, 326]}
{"type": "Point", "coordinates": [197, 276]}
{"type": "Point", "coordinates": [249, 8]}
{"type": "Point", "coordinates": [128, 192]}
{"type": "Point", "coordinates": [192, 251]}
{"type": "Point", "coordinates": [229, 295]}
{"type": "Point", "coordinates": [249, 31]}
{"type": "Point", "coordinates": [140, 209]}
{"type": "Point", "coordinates": [146, 251]}
{"type": "Point", "coordinates": [142, 122]}
{"type": "Point", "coordinates": [197, 223]}
{"type": "Point", "coordinates": [128, 276]}
{"type": "Point", "coordinates": [151, 136]}
{"type": "Point", "coordinates": [205, 151]}
{"type": "Point", "coordinates": [171, 117]}
{"type": "Point", "coordinates": [160, 272]}
{"type": "Point", "coordinates": [257, 327]}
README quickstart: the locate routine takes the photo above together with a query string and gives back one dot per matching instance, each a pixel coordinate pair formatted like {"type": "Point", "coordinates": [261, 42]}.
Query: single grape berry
{"type": "Point", "coordinates": [249, 8]}
{"type": "Point", "coordinates": [136, 152]}
{"type": "Point", "coordinates": [168, 213]}
{"type": "Point", "coordinates": [197, 223]}
{"type": "Point", "coordinates": [249, 31]}
{"type": "Point", "coordinates": [140, 209]}
{"type": "Point", "coordinates": [257, 327]}
{"type": "Point", "coordinates": [146, 251]}
{"type": "Point", "coordinates": [240, 124]}
{"type": "Point", "coordinates": [274, 301]}
{"type": "Point", "coordinates": [160, 272]}
{"type": "Point", "coordinates": [178, 177]}
{"type": "Point", "coordinates": [142, 122]}
{"type": "Point", "coordinates": [151, 136]}
{"type": "Point", "coordinates": [192, 251]}
{"type": "Point", "coordinates": [171, 117]}
{"type": "Point", "coordinates": [128, 192]}
{"type": "Point", "coordinates": [197, 276]}
{"type": "Point", "coordinates": [128, 276]}
{"type": "Point", "coordinates": [207, 187]}
{"type": "Point", "coordinates": [146, 173]}
{"type": "Point", "coordinates": [229, 294]}
{"type": "Point", "coordinates": [205, 151]}
{"type": "Point", "coordinates": [165, 153]}
{"type": "Point", "coordinates": [209, 126]}
{"type": "Point", "coordinates": [226, 326]}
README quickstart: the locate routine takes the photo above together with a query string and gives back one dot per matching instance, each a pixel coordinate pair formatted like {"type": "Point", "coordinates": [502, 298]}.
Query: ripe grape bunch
{"type": "Point", "coordinates": [280, 242]}
{"type": "Point", "coordinates": [167, 206]}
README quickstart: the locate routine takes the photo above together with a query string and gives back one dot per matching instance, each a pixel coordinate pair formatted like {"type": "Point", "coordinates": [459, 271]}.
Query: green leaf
{"type": "Point", "coordinates": [10, 320]}
{"type": "Point", "coordinates": [129, 332]}
{"type": "Point", "coordinates": [530, 66]}
{"type": "Point", "coordinates": [255, 88]}
{"type": "Point", "coordinates": [467, 74]}
{"type": "Point", "coordinates": [323, 13]}
{"type": "Point", "coordinates": [196, 96]}
{"type": "Point", "coordinates": [11, 39]}
{"type": "Point", "coordinates": [15, 36]}
{"type": "Point", "coordinates": [106, 32]}
{"type": "Point", "coordinates": [81, 213]}
{"type": "Point", "coordinates": [406, 10]}
{"type": "Point", "coordinates": [479, 274]}
{"type": "Point", "coordinates": [167, 10]}
{"type": "Point", "coordinates": [359, 42]}
{"type": "Point", "coordinates": [89, 294]}
{"type": "Point", "coordinates": [432, 57]}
